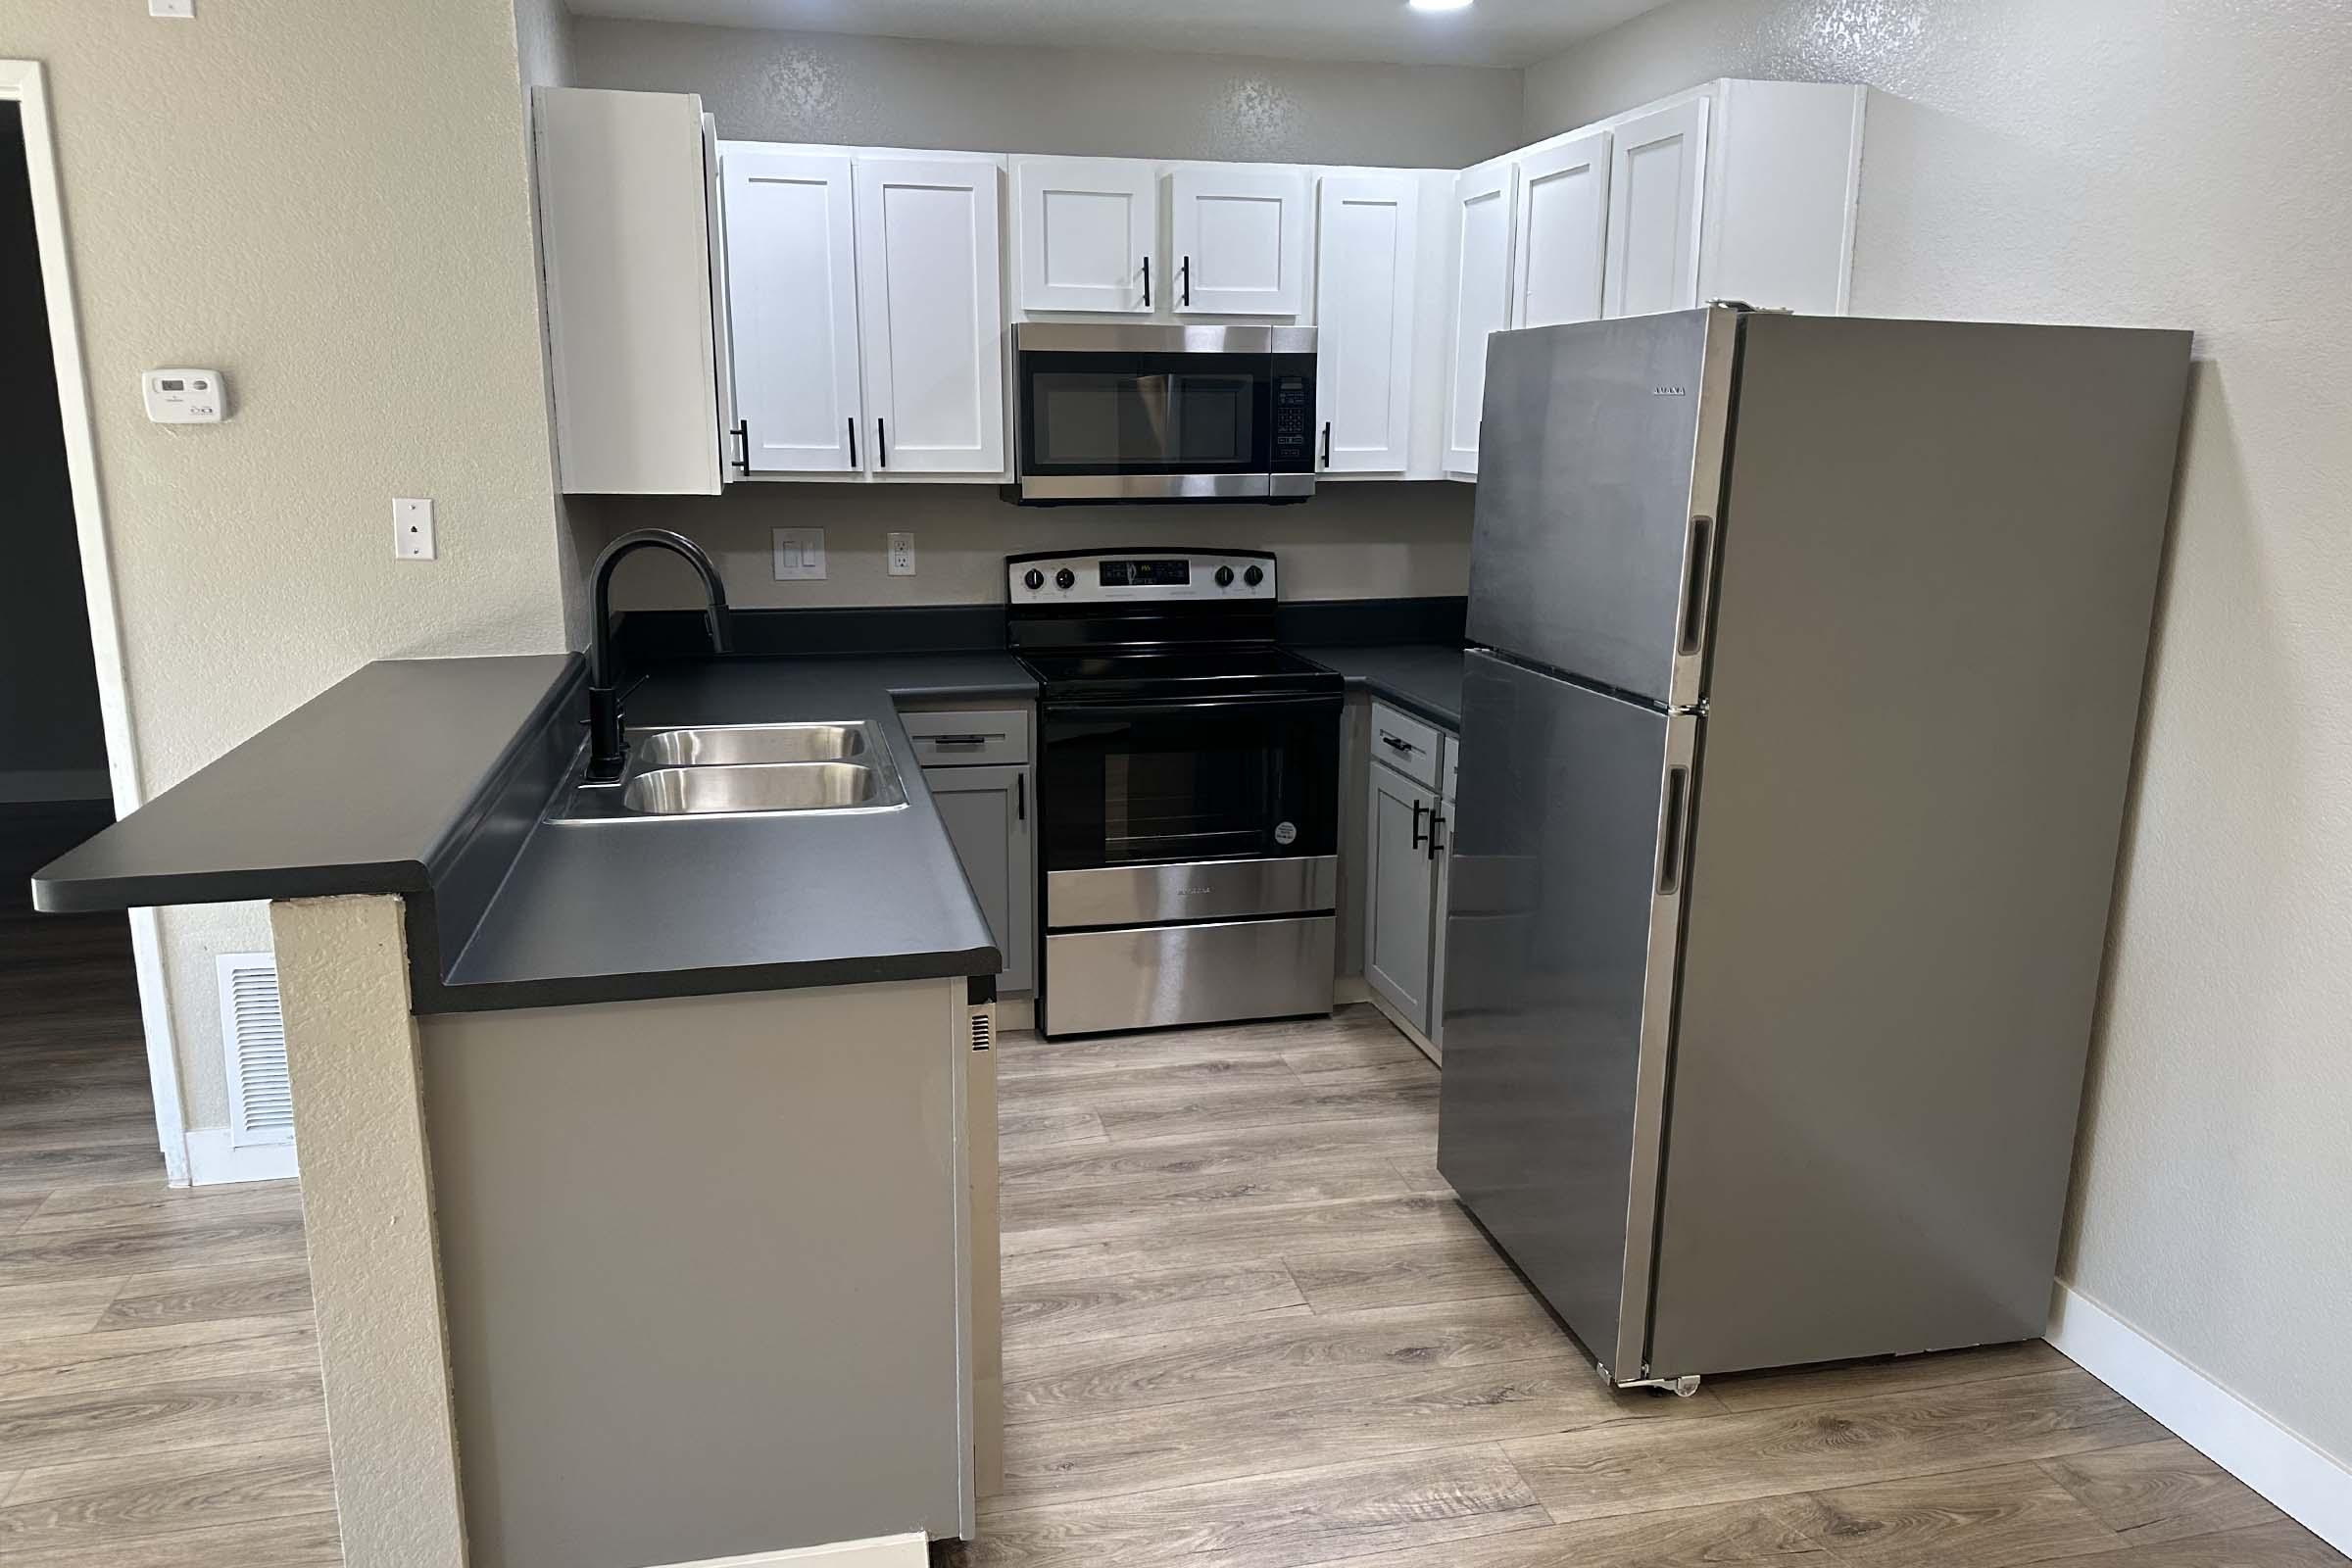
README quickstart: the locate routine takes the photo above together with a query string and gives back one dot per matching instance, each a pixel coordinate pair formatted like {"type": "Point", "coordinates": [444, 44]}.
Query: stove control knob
{"type": "Point", "coordinates": [1224, 576]}
{"type": "Point", "coordinates": [1065, 578]}
{"type": "Point", "coordinates": [1254, 575]}
{"type": "Point", "coordinates": [1033, 579]}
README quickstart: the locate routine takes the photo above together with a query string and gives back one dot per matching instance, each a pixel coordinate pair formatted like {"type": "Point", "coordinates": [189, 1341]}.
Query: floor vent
{"type": "Point", "coordinates": [253, 1032]}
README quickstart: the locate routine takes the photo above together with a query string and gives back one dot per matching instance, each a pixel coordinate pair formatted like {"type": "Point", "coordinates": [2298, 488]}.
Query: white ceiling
{"type": "Point", "coordinates": [1490, 32]}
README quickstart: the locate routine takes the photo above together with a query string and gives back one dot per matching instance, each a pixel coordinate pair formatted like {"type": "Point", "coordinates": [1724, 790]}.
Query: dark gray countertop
{"type": "Point", "coordinates": [680, 906]}
{"type": "Point", "coordinates": [1420, 677]}
{"type": "Point", "coordinates": [357, 791]}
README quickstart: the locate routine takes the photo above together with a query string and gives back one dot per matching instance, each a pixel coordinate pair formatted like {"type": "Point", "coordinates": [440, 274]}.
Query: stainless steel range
{"type": "Point", "coordinates": [1188, 790]}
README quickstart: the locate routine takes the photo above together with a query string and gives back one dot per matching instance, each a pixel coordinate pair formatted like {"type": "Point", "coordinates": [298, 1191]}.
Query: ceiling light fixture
{"type": "Point", "coordinates": [1439, 5]}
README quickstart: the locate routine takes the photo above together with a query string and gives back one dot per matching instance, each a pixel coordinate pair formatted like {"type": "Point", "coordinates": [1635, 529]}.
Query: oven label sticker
{"type": "Point", "coordinates": [1285, 832]}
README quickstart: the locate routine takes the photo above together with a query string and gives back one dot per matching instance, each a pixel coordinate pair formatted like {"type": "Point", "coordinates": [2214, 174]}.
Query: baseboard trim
{"type": "Point", "coordinates": [2305, 1481]}
{"type": "Point", "coordinates": [881, 1552]}
{"type": "Point", "coordinates": [1420, 1041]}
{"type": "Point", "coordinates": [215, 1161]}
{"type": "Point", "coordinates": [28, 786]}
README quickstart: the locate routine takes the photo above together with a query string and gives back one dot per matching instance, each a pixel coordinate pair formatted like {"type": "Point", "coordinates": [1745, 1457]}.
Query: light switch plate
{"type": "Point", "coordinates": [799, 554]}
{"type": "Point", "coordinates": [901, 554]}
{"type": "Point", "coordinates": [412, 528]}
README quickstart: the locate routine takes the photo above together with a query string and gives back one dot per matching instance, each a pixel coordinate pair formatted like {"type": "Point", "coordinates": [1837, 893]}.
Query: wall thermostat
{"type": "Point", "coordinates": [183, 397]}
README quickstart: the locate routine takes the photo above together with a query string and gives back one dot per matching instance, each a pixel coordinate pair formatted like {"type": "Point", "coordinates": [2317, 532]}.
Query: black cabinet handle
{"type": "Point", "coordinates": [882, 443]}
{"type": "Point", "coordinates": [1146, 282]}
{"type": "Point", "coordinates": [1184, 282]}
{"type": "Point", "coordinates": [942, 741]}
{"type": "Point", "coordinates": [743, 440]}
{"type": "Point", "coordinates": [1020, 796]}
{"type": "Point", "coordinates": [1418, 838]}
{"type": "Point", "coordinates": [852, 421]}
{"type": "Point", "coordinates": [1327, 443]}
{"type": "Point", "coordinates": [1435, 822]}
{"type": "Point", "coordinates": [1396, 743]}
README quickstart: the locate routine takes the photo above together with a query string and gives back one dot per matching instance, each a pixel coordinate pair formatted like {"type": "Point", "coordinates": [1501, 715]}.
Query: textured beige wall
{"type": "Point", "coordinates": [352, 1054]}
{"type": "Point", "coordinates": [2111, 160]}
{"type": "Point", "coordinates": [1354, 540]}
{"type": "Point", "coordinates": [903, 92]}
{"type": "Point", "coordinates": [330, 204]}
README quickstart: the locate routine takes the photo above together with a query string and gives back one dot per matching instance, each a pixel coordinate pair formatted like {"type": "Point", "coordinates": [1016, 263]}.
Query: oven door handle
{"type": "Point", "coordinates": [1269, 707]}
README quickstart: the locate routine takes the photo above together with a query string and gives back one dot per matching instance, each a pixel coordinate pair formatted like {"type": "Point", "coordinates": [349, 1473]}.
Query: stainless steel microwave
{"type": "Point", "coordinates": [1135, 413]}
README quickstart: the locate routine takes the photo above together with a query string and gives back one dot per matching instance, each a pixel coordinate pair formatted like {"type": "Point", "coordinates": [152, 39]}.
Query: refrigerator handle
{"type": "Point", "coordinates": [1696, 568]}
{"type": "Point", "coordinates": [1673, 831]}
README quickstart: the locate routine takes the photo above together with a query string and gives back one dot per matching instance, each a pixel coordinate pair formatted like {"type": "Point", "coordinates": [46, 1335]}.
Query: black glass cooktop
{"type": "Point", "coordinates": [1255, 671]}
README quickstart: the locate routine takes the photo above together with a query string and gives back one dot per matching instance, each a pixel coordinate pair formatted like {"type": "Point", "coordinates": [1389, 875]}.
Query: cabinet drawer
{"type": "Point", "coordinates": [1405, 744]}
{"type": "Point", "coordinates": [971, 737]}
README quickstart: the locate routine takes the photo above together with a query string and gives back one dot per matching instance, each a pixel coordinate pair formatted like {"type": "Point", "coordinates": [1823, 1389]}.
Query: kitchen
{"type": "Point", "coordinates": [939, 810]}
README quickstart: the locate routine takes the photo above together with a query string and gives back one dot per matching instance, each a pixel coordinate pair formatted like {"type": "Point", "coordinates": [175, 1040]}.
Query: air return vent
{"type": "Point", "coordinates": [253, 1032]}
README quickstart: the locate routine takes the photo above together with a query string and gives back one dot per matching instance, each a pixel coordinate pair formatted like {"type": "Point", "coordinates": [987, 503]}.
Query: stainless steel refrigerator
{"type": "Point", "coordinates": [1798, 728]}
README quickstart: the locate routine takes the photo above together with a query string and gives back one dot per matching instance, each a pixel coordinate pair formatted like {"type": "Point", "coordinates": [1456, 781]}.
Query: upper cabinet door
{"type": "Point", "coordinates": [1240, 241]}
{"type": "Point", "coordinates": [1088, 230]}
{"type": "Point", "coordinates": [933, 313]}
{"type": "Point", "coordinates": [792, 302]}
{"type": "Point", "coordinates": [1368, 228]}
{"type": "Point", "coordinates": [1484, 198]}
{"type": "Point", "coordinates": [1656, 185]}
{"type": "Point", "coordinates": [624, 229]}
{"type": "Point", "coordinates": [1563, 228]}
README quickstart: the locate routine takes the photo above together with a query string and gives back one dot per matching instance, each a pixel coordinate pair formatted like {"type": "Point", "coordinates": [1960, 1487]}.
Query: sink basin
{"type": "Point", "coordinates": [751, 787]}
{"type": "Point", "coordinates": [742, 770]}
{"type": "Point", "coordinates": [729, 744]}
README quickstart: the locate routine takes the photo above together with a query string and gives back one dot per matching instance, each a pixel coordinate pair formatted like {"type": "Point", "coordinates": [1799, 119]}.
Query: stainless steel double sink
{"type": "Point", "coordinates": [744, 770]}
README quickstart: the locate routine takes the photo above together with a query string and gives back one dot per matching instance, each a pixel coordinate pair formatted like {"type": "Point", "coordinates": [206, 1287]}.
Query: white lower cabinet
{"type": "Point", "coordinates": [1408, 872]}
{"type": "Point", "coordinates": [1399, 889]}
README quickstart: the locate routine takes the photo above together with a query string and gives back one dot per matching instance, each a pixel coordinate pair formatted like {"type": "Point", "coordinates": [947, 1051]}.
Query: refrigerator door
{"type": "Point", "coordinates": [1599, 474]}
{"type": "Point", "coordinates": [1574, 816]}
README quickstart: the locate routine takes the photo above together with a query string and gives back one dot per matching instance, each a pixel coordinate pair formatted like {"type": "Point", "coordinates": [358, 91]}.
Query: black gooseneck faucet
{"type": "Point", "coordinates": [608, 746]}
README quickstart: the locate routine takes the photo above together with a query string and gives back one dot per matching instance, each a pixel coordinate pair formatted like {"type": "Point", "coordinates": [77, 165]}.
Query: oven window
{"type": "Point", "coordinates": [1134, 786]}
{"type": "Point", "coordinates": [1143, 413]}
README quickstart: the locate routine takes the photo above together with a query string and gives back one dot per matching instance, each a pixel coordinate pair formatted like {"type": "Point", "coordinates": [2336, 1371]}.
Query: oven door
{"type": "Point", "coordinates": [1189, 811]}
{"type": "Point", "coordinates": [1118, 425]}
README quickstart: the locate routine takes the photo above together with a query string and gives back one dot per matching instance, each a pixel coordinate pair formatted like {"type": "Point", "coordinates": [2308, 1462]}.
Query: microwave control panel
{"type": "Point", "coordinates": [1115, 576]}
{"type": "Point", "coordinates": [1293, 436]}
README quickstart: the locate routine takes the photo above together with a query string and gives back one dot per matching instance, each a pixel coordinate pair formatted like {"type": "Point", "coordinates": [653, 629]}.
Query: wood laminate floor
{"type": "Point", "coordinates": [1246, 1327]}
{"type": "Point", "coordinates": [159, 1374]}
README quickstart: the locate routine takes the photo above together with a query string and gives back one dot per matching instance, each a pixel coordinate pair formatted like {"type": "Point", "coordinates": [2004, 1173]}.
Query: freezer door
{"type": "Point", "coordinates": [1599, 475]}
{"type": "Point", "coordinates": [1574, 816]}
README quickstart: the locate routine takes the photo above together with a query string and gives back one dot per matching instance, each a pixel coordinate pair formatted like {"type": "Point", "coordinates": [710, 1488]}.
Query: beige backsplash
{"type": "Point", "coordinates": [1354, 540]}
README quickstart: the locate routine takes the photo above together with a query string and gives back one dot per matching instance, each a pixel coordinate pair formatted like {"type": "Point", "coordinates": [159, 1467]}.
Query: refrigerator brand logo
{"type": "Point", "coordinates": [1669, 392]}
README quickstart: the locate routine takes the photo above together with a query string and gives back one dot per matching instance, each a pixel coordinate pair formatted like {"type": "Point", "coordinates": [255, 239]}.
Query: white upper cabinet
{"type": "Point", "coordinates": [1484, 199]}
{"type": "Point", "coordinates": [1367, 240]}
{"type": "Point", "coordinates": [1563, 232]}
{"type": "Point", "coordinates": [1089, 229]}
{"type": "Point", "coordinates": [933, 314]}
{"type": "Point", "coordinates": [633, 344]}
{"type": "Point", "coordinates": [1239, 240]}
{"type": "Point", "coordinates": [1783, 180]}
{"type": "Point", "coordinates": [792, 304]}
{"type": "Point", "coordinates": [1655, 190]}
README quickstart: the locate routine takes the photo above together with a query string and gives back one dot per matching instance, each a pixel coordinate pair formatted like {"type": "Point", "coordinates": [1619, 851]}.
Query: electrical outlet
{"type": "Point", "coordinates": [799, 554]}
{"type": "Point", "coordinates": [412, 530]}
{"type": "Point", "coordinates": [901, 554]}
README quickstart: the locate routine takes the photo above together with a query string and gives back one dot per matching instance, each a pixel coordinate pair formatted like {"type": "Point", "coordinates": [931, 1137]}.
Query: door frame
{"type": "Point", "coordinates": [25, 83]}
